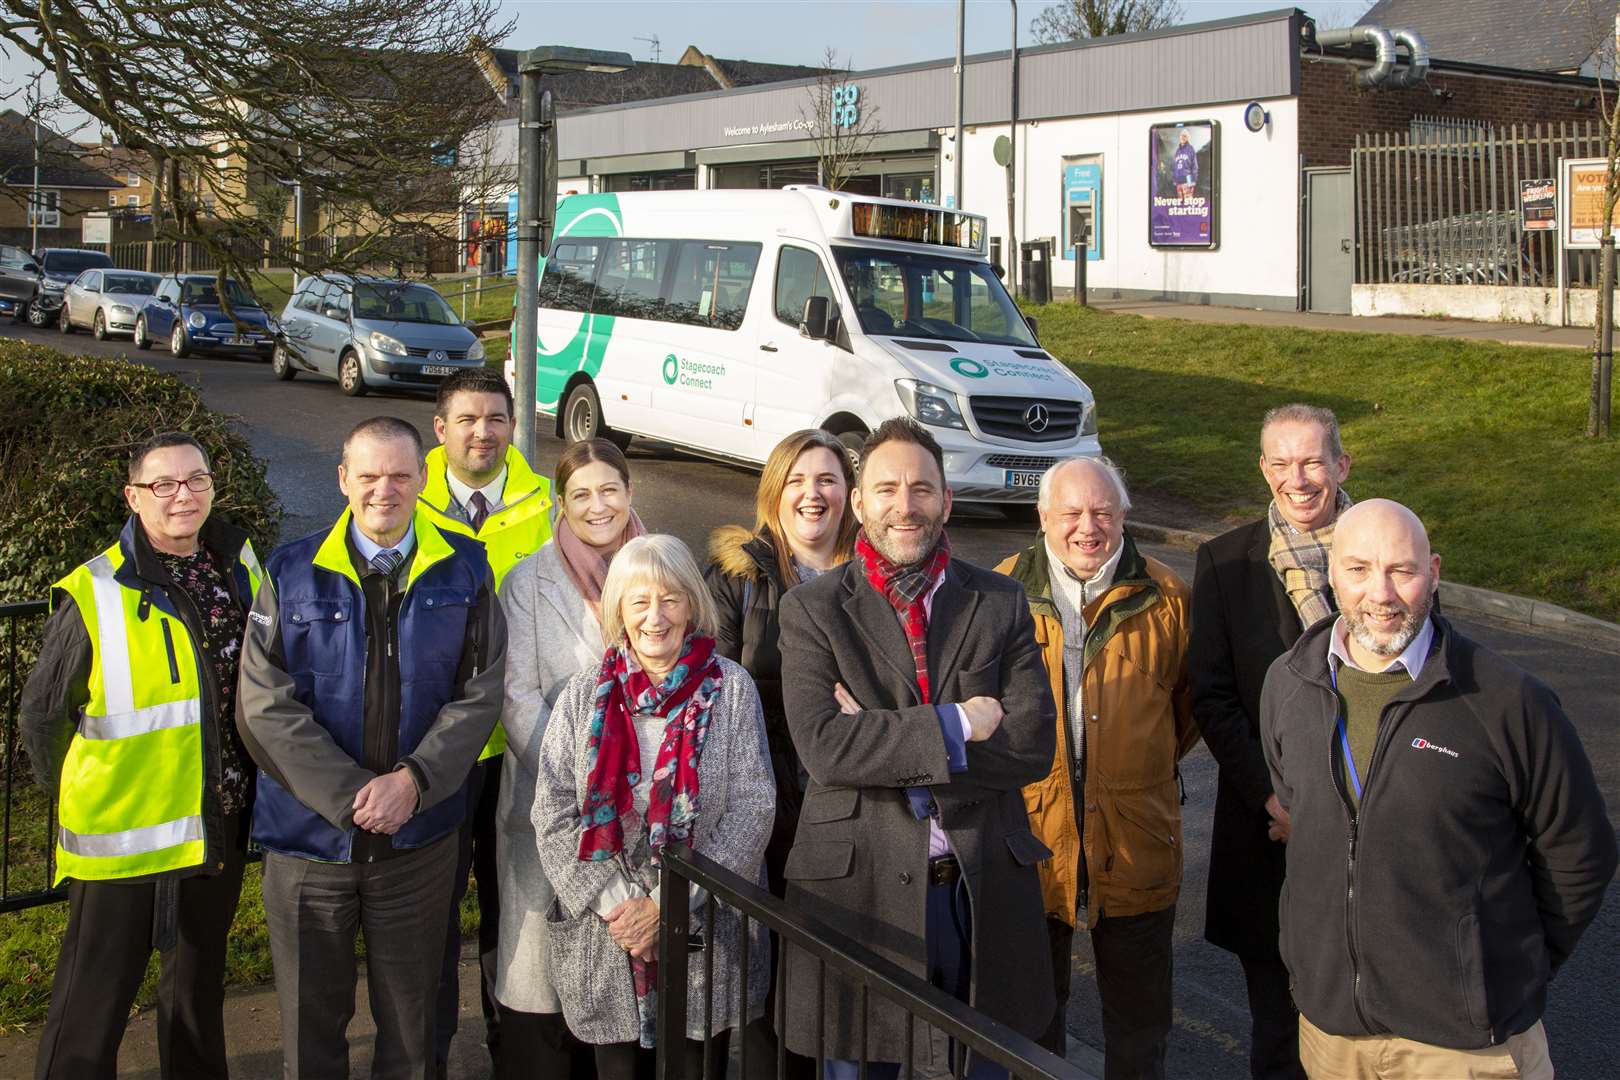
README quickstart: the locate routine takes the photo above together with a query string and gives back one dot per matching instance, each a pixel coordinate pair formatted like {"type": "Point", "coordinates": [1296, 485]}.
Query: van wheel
{"type": "Point", "coordinates": [853, 441]}
{"type": "Point", "coordinates": [582, 418]}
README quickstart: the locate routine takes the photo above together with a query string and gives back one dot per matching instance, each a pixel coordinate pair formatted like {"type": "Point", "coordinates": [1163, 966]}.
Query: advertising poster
{"type": "Point", "coordinates": [1583, 190]}
{"type": "Point", "coordinates": [1538, 205]}
{"type": "Point", "coordinates": [1183, 161]}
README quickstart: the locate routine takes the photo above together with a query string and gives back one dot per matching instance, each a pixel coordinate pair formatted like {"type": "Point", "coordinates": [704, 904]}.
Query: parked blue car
{"type": "Point", "coordinates": [185, 311]}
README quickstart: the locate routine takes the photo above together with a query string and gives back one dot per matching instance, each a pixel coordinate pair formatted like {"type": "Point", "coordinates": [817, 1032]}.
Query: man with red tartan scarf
{"type": "Point", "coordinates": [917, 702]}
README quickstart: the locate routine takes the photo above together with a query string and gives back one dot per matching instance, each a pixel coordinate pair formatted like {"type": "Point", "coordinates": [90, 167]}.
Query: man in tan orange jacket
{"type": "Point", "coordinates": [1112, 625]}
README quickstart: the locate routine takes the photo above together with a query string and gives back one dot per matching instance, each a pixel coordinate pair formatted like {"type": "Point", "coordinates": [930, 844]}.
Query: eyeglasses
{"type": "Point", "coordinates": [167, 489]}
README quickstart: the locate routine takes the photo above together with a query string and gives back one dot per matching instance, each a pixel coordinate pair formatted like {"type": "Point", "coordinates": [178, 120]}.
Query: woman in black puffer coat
{"type": "Point", "coordinates": [803, 526]}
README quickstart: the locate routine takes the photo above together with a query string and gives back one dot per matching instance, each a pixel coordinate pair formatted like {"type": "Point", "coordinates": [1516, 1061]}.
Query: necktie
{"type": "Point", "coordinates": [387, 561]}
{"type": "Point", "coordinates": [477, 510]}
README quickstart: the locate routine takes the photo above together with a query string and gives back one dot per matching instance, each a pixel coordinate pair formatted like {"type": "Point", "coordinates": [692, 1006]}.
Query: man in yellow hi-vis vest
{"type": "Point", "coordinates": [479, 485]}
{"type": "Point", "coordinates": [129, 719]}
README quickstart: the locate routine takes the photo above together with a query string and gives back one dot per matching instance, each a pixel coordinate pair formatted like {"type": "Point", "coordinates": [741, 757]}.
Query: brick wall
{"type": "Point", "coordinates": [1333, 111]}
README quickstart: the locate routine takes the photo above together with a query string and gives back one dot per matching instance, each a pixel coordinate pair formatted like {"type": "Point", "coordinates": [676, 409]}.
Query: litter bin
{"type": "Point", "coordinates": [1035, 270]}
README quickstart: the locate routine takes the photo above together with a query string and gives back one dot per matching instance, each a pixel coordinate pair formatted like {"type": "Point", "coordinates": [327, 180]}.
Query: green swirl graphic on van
{"type": "Point", "coordinates": [577, 216]}
{"type": "Point", "coordinates": [970, 368]}
{"type": "Point", "coordinates": [672, 369]}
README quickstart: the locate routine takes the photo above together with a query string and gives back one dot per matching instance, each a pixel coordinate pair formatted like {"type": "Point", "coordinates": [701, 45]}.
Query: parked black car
{"type": "Point", "coordinates": [19, 280]}
{"type": "Point", "coordinates": [58, 267]}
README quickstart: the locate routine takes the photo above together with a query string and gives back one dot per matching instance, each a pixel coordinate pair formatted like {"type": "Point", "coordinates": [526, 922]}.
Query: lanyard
{"type": "Point", "coordinates": [1344, 736]}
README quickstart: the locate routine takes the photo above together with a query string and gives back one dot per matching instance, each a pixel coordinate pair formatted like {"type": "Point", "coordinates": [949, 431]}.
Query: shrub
{"type": "Point", "coordinates": [67, 427]}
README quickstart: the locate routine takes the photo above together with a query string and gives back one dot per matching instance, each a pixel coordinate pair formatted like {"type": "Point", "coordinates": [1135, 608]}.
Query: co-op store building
{"type": "Point", "coordinates": [1272, 114]}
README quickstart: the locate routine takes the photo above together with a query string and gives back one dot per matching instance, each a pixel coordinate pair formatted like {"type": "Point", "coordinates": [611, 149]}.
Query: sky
{"type": "Point", "coordinates": [866, 34]}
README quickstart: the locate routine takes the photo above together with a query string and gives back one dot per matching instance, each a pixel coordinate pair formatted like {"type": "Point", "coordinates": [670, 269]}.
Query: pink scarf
{"type": "Point", "coordinates": [586, 566]}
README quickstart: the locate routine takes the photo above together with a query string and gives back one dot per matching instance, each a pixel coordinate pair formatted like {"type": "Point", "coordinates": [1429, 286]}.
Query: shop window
{"type": "Point", "coordinates": [913, 187]}
{"type": "Point", "coordinates": [799, 276]}
{"type": "Point", "coordinates": [712, 282]}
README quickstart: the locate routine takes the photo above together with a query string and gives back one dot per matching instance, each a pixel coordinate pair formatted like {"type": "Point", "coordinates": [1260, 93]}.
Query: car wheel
{"type": "Point", "coordinates": [582, 418]}
{"type": "Point", "coordinates": [350, 377]}
{"type": "Point", "coordinates": [63, 323]}
{"type": "Point", "coordinates": [280, 366]}
{"type": "Point", "coordinates": [179, 347]}
{"type": "Point", "coordinates": [98, 326]}
{"type": "Point", "coordinates": [141, 340]}
{"type": "Point", "coordinates": [37, 317]}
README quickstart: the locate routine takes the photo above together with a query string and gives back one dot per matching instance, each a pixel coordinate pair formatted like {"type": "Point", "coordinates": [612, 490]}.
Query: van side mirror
{"type": "Point", "coordinates": [1034, 327]}
{"type": "Point", "coordinates": [816, 324]}
{"type": "Point", "coordinates": [471, 324]}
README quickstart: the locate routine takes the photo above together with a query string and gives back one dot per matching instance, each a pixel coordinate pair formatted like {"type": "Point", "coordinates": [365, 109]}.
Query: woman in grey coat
{"type": "Point", "coordinates": [661, 744]}
{"type": "Point", "coordinates": [554, 632]}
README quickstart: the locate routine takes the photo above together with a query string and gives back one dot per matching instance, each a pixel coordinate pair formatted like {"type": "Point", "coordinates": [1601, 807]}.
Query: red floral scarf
{"type": "Point", "coordinates": [905, 587]}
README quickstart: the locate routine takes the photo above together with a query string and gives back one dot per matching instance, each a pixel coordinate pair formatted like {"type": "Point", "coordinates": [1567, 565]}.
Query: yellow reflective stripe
{"type": "Point", "coordinates": [170, 714]}
{"type": "Point", "coordinates": [255, 571]}
{"type": "Point", "coordinates": [142, 841]}
{"type": "Point", "coordinates": [117, 680]}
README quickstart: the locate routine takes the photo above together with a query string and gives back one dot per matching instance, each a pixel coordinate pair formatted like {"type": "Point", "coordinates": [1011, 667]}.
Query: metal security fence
{"type": "Point", "coordinates": [1439, 204]}
{"type": "Point", "coordinates": [28, 816]}
{"type": "Point", "coordinates": [875, 976]}
{"type": "Point", "coordinates": [431, 255]}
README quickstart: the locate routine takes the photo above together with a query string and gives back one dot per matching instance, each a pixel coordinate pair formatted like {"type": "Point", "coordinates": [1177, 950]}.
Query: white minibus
{"type": "Point", "coordinates": [721, 321]}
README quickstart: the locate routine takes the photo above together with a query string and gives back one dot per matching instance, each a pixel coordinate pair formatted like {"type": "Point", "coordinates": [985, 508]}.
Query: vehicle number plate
{"type": "Point", "coordinates": [437, 369]}
{"type": "Point", "coordinates": [238, 339]}
{"type": "Point", "coordinates": [1019, 478]}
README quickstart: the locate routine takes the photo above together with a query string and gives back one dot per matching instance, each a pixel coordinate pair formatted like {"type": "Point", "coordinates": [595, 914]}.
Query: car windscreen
{"type": "Point", "coordinates": [924, 295]}
{"type": "Point", "coordinates": [135, 284]}
{"type": "Point", "coordinates": [402, 303]}
{"type": "Point", "coordinates": [204, 292]}
{"type": "Point", "coordinates": [72, 262]}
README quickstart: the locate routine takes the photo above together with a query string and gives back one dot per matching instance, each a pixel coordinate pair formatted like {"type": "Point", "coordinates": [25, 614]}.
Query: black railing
{"type": "Point", "coordinates": [875, 976]}
{"type": "Point", "coordinates": [28, 819]}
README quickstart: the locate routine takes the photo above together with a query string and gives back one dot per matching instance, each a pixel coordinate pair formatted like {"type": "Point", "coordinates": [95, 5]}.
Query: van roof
{"type": "Point", "coordinates": [804, 210]}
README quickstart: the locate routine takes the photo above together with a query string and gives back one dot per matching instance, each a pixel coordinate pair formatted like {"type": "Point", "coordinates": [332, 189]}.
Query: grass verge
{"type": "Point", "coordinates": [493, 301]}
{"type": "Point", "coordinates": [1483, 441]}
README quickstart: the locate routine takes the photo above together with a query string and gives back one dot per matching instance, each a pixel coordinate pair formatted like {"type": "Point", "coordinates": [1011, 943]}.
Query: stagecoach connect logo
{"type": "Point", "coordinates": [971, 368]}
{"type": "Point", "coordinates": [672, 369]}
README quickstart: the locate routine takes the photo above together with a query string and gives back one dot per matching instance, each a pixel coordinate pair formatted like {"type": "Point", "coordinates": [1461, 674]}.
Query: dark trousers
{"type": "Point", "coordinates": [477, 850]}
{"type": "Point", "coordinates": [760, 1038]}
{"type": "Point", "coordinates": [1274, 1031]}
{"type": "Point", "coordinates": [105, 950]}
{"type": "Point", "coordinates": [539, 1045]}
{"type": "Point", "coordinates": [629, 1061]}
{"type": "Point", "coordinates": [314, 910]}
{"type": "Point", "coordinates": [1133, 955]}
{"type": "Point", "coordinates": [949, 945]}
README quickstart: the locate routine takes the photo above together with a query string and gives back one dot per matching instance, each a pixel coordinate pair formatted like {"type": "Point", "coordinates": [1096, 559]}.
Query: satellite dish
{"type": "Point", "coordinates": [1003, 151]}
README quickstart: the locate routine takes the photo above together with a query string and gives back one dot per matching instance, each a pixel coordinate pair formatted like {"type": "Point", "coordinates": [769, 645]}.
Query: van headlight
{"type": "Point", "coordinates": [930, 404]}
{"type": "Point", "coordinates": [383, 343]}
{"type": "Point", "coordinates": [476, 352]}
{"type": "Point", "coordinates": [1088, 418]}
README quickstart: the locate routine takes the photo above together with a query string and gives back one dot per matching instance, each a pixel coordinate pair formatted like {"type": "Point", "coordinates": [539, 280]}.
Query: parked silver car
{"type": "Point", "coordinates": [107, 301]}
{"type": "Point", "coordinates": [370, 333]}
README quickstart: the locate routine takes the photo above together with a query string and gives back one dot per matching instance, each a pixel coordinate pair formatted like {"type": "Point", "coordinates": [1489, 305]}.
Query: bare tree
{"type": "Point", "coordinates": [360, 102]}
{"type": "Point", "coordinates": [1075, 19]}
{"type": "Point", "coordinates": [486, 175]}
{"type": "Point", "coordinates": [837, 122]}
{"type": "Point", "coordinates": [1603, 61]}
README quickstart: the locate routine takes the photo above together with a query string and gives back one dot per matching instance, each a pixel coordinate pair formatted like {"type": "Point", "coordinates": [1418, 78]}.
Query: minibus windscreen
{"type": "Point", "coordinates": [923, 295]}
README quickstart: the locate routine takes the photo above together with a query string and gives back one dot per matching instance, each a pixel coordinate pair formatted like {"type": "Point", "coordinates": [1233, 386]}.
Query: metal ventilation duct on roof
{"type": "Point", "coordinates": [1383, 74]}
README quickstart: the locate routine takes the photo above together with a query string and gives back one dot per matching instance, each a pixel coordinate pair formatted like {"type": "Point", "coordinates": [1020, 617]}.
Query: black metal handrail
{"type": "Point", "coordinates": [20, 790]}
{"type": "Point", "coordinates": [919, 999]}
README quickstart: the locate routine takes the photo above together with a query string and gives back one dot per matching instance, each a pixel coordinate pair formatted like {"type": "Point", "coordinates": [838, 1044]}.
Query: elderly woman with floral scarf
{"type": "Point", "coordinates": [661, 743]}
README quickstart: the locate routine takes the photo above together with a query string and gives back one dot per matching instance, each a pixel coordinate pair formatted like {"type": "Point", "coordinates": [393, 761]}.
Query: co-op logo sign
{"type": "Point", "coordinates": [691, 374]}
{"type": "Point", "coordinates": [846, 106]}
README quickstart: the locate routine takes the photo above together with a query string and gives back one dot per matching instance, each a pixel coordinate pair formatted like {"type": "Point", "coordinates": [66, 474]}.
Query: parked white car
{"type": "Point", "coordinates": [106, 301]}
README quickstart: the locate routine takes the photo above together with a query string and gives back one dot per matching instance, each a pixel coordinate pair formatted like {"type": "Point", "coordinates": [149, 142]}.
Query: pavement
{"type": "Point", "coordinates": [1572, 337]}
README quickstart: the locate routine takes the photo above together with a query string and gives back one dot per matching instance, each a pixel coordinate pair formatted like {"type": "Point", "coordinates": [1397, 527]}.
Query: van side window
{"type": "Point", "coordinates": [569, 281]}
{"type": "Point", "coordinates": [712, 281]}
{"type": "Point", "coordinates": [631, 282]}
{"type": "Point", "coordinates": [799, 276]}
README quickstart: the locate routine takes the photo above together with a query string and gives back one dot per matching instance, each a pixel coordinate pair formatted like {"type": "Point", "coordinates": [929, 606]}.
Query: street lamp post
{"type": "Point", "coordinates": [537, 201]}
{"type": "Point", "coordinates": [961, 80]}
{"type": "Point", "coordinates": [1012, 159]}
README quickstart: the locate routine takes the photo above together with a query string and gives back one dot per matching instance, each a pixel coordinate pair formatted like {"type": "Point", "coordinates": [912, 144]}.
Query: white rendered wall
{"type": "Point", "coordinates": [1258, 206]}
